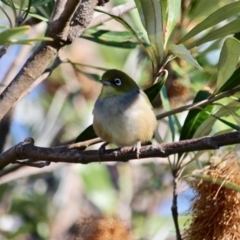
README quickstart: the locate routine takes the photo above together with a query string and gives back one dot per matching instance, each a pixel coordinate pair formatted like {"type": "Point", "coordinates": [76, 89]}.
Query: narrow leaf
{"type": "Point", "coordinates": [206, 127]}
{"type": "Point", "coordinates": [151, 16]}
{"type": "Point", "coordinates": [218, 16]}
{"type": "Point", "coordinates": [219, 181]}
{"type": "Point", "coordinates": [228, 61]}
{"type": "Point", "coordinates": [37, 16]}
{"type": "Point", "coordinates": [230, 28]}
{"type": "Point", "coordinates": [153, 91]}
{"type": "Point", "coordinates": [182, 52]}
{"type": "Point", "coordinates": [123, 39]}
{"type": "Point", "coordinates": [127, 26]}
{"type": "Point", "coordinates": [229, 124]}
{"type": "Point", "coordinates": [232, 82]}
{"type": "Point", "coordinates": [28, 41]}
{"type": "Point", "coordinates": [166, 107]}
{"type": "Point", "coordinates": [174, 7]}
{"type": "Point", "coordinates": [6, 35]}
{"type": "Point", "coordinates": [196, 117]}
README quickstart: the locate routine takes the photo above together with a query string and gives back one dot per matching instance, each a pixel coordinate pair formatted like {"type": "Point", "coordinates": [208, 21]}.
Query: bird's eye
{"type": "Point", "coordinates": [118, 81]}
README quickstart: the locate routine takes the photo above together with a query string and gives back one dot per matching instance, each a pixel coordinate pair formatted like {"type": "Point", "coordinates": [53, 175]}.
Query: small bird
{"type": "Point", "coordinates": [123, 114]}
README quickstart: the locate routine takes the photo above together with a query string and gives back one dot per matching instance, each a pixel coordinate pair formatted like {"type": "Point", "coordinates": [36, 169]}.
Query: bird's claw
{"type": "Point", "coordinates": [137, 149]}
{"type": "Point", "coordinates": [101, 151]}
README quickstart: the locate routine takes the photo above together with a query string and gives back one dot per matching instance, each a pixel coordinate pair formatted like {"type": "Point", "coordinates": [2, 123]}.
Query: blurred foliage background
{"type": "Point", "coordinates": [46, 203]}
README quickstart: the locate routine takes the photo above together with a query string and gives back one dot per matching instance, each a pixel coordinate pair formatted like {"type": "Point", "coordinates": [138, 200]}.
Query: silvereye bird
{"type": "Point", "coordinates": [123, 115]}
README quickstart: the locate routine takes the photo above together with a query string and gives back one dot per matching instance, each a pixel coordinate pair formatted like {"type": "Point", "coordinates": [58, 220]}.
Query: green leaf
{"type": "Point", "coordinates": [5, 36]}
{"type": "Point", "coordinates": [230, 28]}
{"type": "Point", "coordinates": [29, 41]}
{"type": "Point", "coordinates": [127, 26]}
{"type": "Point", "coordinates": [153, 91]}
{"type": "Point", "coordinates": [206, 127]}
{"type": "Point", "coordinates": [151, 16]}
{"type": "Point", "coordinates": [174, 7]}
{"type": "Point", "coordinates": [122, 39]}
{"type": "Point", "coordinates": [37, 3]}
{"type": "Point", "coordinates": [87, 134]}
{"type": "Point", "coordinates": [37, 16]}
{"type": "Point", "coordinates": [45, 10]}
{"type": "Point", "coordinates": [231, 125]}
{"type": "Point", "coordinates": [196, 117]}
{"type": "Point", "coordinates": [166, 107]}
{"type": "Point", "coordinates": [218, 16]}
{"type": "Point", "coordinates": [232, 82]}
{"type": "Point", "coordinates": [219, 181]}
{"type": "Point", "coordinates": [228, 61]}
{"type": "Point", "coordinates": [182, 52]}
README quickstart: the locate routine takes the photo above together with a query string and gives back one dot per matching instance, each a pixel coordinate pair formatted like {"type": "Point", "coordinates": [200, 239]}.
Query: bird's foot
{"type": "Point", "coordinates": [101, 151]}
{"type": "Point", "coordinates": [137, 148]}
{"type": "Point", "coordinates": [125, 149]}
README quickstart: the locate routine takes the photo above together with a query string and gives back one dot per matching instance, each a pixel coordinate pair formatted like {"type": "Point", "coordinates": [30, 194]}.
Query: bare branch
{"type": "Point", "coordinates": [199, 104]}
{"type": "Point", "coordinates": [81, 19]}
{"type": "Point", "coordinates": [40, 79]}
{"type": "Point", "coordinates": [174, 208]}
{"type": "Point", "coordinates": [27, 150]}
{"type": "Point", "coordinates": [58, 29]}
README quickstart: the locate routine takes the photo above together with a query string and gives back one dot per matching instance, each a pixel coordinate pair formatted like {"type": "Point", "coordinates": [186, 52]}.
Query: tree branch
{"type": "Point", "coordinates": [58, 29]}
{"type": "Point", "coordinates": [27, 150]}
{"type": "Point", "coordinates": [199, 104]}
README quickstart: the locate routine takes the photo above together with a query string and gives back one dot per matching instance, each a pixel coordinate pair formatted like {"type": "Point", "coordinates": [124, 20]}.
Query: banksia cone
{"type": "Point", "coordinates": [101, 228]}
{"type": "Point", "coordinates": [215, 208]}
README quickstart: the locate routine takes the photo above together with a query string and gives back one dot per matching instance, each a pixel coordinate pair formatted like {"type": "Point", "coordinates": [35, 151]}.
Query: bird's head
{"type": "Point", "coordinates": [116, 83]}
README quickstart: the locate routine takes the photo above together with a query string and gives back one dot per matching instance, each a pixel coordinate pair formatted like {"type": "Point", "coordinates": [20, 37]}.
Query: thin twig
{"type": "Point", "coordinates": [175, 174]}
{"type": "Point", "coordinates": [117, 11]}
{"type": "Point", "coordinates": [199, 104]}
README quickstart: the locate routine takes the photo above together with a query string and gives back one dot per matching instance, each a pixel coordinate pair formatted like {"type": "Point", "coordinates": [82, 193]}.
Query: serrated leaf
{"type": "Point", "coordinates": [151, 16]}
{"type": "Point", "coordinates": [230, 28]}
{"type": "Point", "coordinates": [232, 82]}
{"type": "Point", "coordinates": [174, 7]}
{"type": "Point", "coordinates": [182, 52]}
{"type": "Point", "coordinates": [87, 134]}
{"type": "Point", "coordinates": [123, 39]}
{"type": "Point", "coordinates": [228, 61]}
{"type": "Point", "coordinates": [196, 117]}
{"type": "Point", "coordinates": [218, 16]}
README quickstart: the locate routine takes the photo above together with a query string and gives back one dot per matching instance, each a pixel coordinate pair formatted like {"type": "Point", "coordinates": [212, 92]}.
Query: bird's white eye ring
{"type": "Point", "coordinates": [118, 81]}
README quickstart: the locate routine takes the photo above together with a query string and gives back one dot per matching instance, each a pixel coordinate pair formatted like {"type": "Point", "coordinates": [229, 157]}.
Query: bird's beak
{"type": "Point", "coordinates": [105, 82]}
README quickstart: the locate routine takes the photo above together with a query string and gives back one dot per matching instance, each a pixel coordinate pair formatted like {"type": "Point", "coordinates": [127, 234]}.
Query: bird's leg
{"type": "Point", "coordinates": [137, 148]}
{"type": "Point", "coordinates": [101, 150]}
